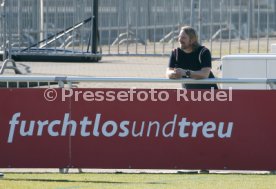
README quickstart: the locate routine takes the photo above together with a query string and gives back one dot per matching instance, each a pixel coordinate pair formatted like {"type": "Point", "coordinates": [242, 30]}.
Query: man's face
{"type": "Point", "coordinates": [184, 40]}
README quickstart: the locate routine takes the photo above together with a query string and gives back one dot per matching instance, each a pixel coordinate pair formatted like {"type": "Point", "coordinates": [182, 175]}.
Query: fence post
{"type": "Point", "coordinates": [41, 20]}
{"type": "Point", "coordinates": [200, 22]}
{"type": "Point", "coordinates": [4, 30]}
{"type": "Point", "coordinates": [192, 13]}
{"type": "Point", "coordinates": [95, 27]}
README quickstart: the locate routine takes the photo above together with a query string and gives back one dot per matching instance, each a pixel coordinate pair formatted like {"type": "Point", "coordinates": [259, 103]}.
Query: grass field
{"type": "Point", "coordinates": [136, 181]}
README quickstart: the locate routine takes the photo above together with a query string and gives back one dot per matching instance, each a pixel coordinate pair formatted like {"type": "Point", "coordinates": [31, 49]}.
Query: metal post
{"type": "Point", "coordinates": [56, 24]}
{"type": "Point", "coordinates": [211, 25]}
{"type": "Point", "coordinates": [274, 17]}
{"type": "Point", "coordinates": [82, 32]}
{"type": "Point", "coordinates": [258, 27]}
{"type": "Point", "coordinates": [230, 27]}
{"type": "Point", "coordinates": [154, 29]}
{"type": "Point", "coordinates": [136, 26]}
{"type": "Point", "coordinates": [109, 26]}
{"type": "Point", "coordinates": [9, 30]}
{"type": "Point", "coordinates": [249, 24]}
{"type": "Point", "coordinates": [192, 13]}
{"type": "Point", "coordinates": [239, 26]}
{"type": "Point", "coordinates": [118, 25]}
{"type": "Point", "coordinates": [75, 4]}
{"type": "Point", "coordinates": [173, 23]}
{"type": "Point", "coordinates": [19, 24]}
{"type": "Point", "coordinates": [127, 13]}
{"type": "Point", "coordinates": [220, 28]}
{"type": "Point", "coordinates": [47, 21]}
{"type": "Point", "coordinates": [95, 26]}
{"type": "Point", "coordinates": [4, 30]}
{"type": "Point", "coordinates": [163, 44]}
{"type": "Point", "coordinates": [64, 21]}
{"type": "Point", "coordinates": [200, 22]}
{"type": "Point", "coordinates": [146, 24]}
{"type": "Point", "coordinates": [267, 27]}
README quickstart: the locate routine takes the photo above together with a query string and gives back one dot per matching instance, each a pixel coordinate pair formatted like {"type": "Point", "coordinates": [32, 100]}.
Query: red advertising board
{"type": "Point", "coordinates": [138, 128]}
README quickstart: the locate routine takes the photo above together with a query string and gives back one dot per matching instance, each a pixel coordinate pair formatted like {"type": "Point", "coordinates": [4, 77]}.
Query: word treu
{"type": "Point", "coordinates": [178, 126]}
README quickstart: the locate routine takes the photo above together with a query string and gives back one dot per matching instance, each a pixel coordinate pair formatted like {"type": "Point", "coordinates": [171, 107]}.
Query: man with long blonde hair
{"type": "Point", "coordinates": [190, 60]}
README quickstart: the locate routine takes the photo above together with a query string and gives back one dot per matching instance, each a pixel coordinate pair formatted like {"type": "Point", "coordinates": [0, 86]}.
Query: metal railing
{"type": "Point", "coordinates": [61, 81]}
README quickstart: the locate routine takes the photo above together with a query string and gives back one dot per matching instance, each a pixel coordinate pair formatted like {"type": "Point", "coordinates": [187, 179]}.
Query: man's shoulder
{"type": "Point", "coordinates": [203, 53]}
{"type": "Point", "coordinates": [203, 50]}
{"type": "Point", "coordinates": [175, 49]}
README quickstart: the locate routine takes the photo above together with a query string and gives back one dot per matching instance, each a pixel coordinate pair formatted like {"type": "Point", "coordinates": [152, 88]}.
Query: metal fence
{"type": "Point", "coordinates": [25, 81]}
{"type": "Point", "coordinates": [152, 26]}
{"type": "Point", "coordinates": [48, 27]}
{"type": "Point", "coordinates": [131, 27]}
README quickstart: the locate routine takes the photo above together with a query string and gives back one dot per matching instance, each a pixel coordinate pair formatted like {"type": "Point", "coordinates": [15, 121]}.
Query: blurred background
{"type": "Point", "coordinates": [94, 28]}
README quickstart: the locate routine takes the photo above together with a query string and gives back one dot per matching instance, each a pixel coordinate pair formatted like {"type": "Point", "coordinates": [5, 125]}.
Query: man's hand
{"type": "Point", "coordinates": [175, 73]}
{"type": "Point", "coordinates": [180, 72]}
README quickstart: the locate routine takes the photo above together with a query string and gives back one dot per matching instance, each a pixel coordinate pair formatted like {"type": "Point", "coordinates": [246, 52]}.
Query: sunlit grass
{"type": "Point", "coordinates": [137, 181]}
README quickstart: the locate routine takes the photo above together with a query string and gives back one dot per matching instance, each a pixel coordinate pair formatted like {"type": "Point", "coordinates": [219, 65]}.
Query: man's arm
{"type": "Point", "coordinates": [177, 73]}
{"type": "Point", "coordinates": [171, 74]}
{"type": "Point", "coordinates": [200, 74]}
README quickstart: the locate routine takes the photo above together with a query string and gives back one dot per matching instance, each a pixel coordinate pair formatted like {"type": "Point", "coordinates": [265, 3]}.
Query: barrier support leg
{"type": "Point", "coordinates": [13, 66]}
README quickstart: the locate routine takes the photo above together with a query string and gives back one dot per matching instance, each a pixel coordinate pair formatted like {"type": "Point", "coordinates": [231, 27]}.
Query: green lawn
{"type": "Point", "coordinates": [137, 181]}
